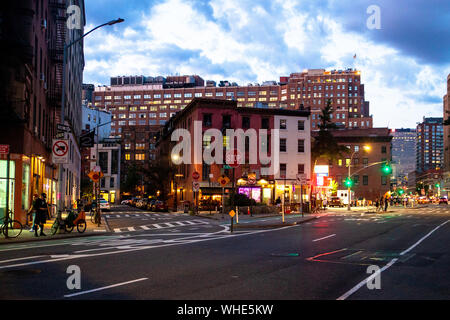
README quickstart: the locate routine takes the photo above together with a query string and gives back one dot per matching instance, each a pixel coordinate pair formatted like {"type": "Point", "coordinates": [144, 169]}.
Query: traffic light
{"type": "Point", "coordinates": [437, 185]}
{"type": "Point", "coordinates": [387, 169]}
{"type": "Point", "coordinates": [400, 192]}
{"type": "Point", "coordinates": [348, 182]}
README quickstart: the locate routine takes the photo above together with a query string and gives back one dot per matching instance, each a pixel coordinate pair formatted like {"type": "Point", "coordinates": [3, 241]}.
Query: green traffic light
{"type": "Point", "coordinates": [387, 168]}
{"type": "Point", "coordinates": [348, 182]}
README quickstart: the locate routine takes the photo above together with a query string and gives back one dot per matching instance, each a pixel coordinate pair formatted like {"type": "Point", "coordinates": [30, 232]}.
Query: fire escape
{"type": "Point", "coordinates": [56, 52]}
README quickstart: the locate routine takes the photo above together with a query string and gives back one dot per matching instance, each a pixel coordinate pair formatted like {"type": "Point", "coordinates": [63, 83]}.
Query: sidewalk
{"type": "Point", "coordinates": [262, 221]}
{"type": "Point", "coordinates": [27, 236]}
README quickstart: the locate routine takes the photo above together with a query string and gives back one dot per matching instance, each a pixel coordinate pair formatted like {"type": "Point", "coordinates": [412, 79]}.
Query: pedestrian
{"type": "Point", "coordinates": [386, 203]}
{"type": "Point", "coordinates": [381, 204]}
{"type": "Point", "coordinates": [325, 202]}
{"type": "Point", "coordinates": [41, 215]}
{"type": "Point", "coordinates": [32, 211]}
{"type": "Point", "coordinates": [278, 203]}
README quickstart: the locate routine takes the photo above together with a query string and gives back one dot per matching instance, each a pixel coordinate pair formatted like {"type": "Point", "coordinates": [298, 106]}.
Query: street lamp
{"type": "Point", "coordinates": [63, 96]}
{"type": "Point", "coordinates": [175, 157]}
{"type": "Point", "coordinates": [348, 182]}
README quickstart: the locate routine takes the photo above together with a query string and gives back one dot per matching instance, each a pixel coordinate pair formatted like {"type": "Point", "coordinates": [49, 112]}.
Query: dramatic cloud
{"type": "Point", "coordinates": [404, 64]}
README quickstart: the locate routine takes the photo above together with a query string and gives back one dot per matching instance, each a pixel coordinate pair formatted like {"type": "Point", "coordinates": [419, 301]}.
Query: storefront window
{"type": "Point", "coordinates": [26, 187]}
{"type": "Point", "coordinates": [3, 185]}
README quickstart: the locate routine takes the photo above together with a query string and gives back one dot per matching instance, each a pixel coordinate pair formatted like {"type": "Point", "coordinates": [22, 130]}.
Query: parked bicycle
{"type": "Point", "coordinates": [73, 219]}
{"type": "Point", "coordinates": [11, 229]}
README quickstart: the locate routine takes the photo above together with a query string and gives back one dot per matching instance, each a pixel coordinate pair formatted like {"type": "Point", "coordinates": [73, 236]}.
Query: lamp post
{"type": "Point", "coordinates": [175, 158]}
{"type": "Point", "coordinates": [63, 96]}
{"type": "Point", "coordinates": [366, 148]}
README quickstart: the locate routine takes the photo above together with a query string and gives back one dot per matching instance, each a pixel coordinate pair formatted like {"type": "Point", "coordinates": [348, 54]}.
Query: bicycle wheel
{"type": "Point", "coordinates": [14, 229]}
{"type": "Point", "coordinates": [55, 228]}
{"type": "Point", "coordinates": [81, 226]}
{"type": "Point", "coordinates": [68, 228]}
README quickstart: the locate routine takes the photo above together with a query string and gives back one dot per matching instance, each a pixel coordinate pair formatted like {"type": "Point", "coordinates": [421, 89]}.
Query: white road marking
{"type": "Point", "coordinates": [145, 227]}
{"type": "Point", "coordinates": [157, 226]}
{"type": "Point", "coordinates": [331, 235]}
{"type": "Point", "coordinates": [17, 259]}
{"type": "Point", "coordinates": [131, 229]}
{"type": "Point", "coordinates": [103, 288]}
{"type": "Point", "coordinates": [365, 281]}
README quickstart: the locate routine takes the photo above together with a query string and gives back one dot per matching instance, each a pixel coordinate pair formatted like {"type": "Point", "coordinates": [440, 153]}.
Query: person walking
{"type": "Point", "coordinates": [386, 203]}
{"type": "Point", "coordinates": [377, 204]}
{"type": "Point", "coordinates": [32, 211]}
{"type": "Point", "coordinates": [381, 203]}
{"type": "Point", "coordinates": [41, 215]}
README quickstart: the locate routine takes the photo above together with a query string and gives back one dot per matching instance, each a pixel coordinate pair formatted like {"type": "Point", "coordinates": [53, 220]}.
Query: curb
{"type": "Point", "coordinates": [268, 226]}
{"type": "Point", "coordinates": [56, 237]}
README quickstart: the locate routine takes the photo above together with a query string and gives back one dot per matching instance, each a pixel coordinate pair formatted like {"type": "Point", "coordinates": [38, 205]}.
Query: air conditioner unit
{"type": "Point", "coordinates": [45, 85]}
{"type": "Point", "coordinates": [42, 77]}
{"type": "Point", "coordinates": [43, 23]}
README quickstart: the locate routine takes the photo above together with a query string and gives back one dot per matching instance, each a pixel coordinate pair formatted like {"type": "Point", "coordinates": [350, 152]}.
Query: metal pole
{"type": "Point", "coordinates": [60, 201]}
{"type": "Point", "coordinates": [301, 199]}
{"type": "Point", "coordinates": [349, 175]}
{"type": "Point", "coordinates": [7, 195]}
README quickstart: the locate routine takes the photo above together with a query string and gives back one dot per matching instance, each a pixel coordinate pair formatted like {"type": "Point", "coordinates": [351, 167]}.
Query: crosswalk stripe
{"type": "Point", "coordinates": [145, 227]}
{"type": "Point", "coordinates": [131, 229]}
{"type": "Point", "coordinates": [157, 226]}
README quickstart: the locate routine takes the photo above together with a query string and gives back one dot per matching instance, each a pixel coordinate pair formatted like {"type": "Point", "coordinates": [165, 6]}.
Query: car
{"type": "Point", "coordinates": [160, 206]}
{"type": "Point", "coordinates": [104, 205]}
{"type": "Point", "coordinates": [151, 204]}
{"type": "Point", "coordinates": [423, 200]}
{"type": "Point", "coordinates": [335, 202]}
{"type": "Point", "coordinates": [443, 200]}
{"type": "Point", "coordinates": [125, 202]}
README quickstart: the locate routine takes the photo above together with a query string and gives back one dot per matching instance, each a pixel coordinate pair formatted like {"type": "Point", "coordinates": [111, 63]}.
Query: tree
{"type": "Point", "coordinates": [131, 179]}
{"type": "Point", "coordinates": [158, 177]}
{"type": "Point", "coordinates": [325, 145]}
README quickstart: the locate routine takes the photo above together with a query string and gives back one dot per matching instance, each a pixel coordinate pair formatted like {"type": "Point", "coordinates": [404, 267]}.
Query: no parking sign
{"type": "Point", "coordinates": [60, 150]}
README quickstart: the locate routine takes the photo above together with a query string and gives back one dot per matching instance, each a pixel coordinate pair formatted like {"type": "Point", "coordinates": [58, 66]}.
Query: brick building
{"type": "Point", "coordinates": [446, 105]}
{"type": "Point", "coordinates": [30, 95]}
{"type": "Point", "coordinates": [293, 149]}
{"type": "Point", "coordinates": [369, 182]}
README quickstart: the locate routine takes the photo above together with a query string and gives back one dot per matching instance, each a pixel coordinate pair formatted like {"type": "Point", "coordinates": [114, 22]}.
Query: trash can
{"type": "Point", "coordinates": [186, 206]}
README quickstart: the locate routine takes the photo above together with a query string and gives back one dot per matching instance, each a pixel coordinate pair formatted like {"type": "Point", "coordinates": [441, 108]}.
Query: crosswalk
{"type": "Point", "coordinates": [161, 225]}
{"type": "Point", "coordinates": [142, 215]}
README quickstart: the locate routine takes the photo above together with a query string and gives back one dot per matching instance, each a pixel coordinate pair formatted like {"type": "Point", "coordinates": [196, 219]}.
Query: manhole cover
{"type": "Point", "coordinates": [21, 272]}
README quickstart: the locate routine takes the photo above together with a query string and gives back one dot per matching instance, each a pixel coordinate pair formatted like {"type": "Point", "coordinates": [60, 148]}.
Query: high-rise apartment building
{"type": "Point", "coordinates": [140, 103]}
{"type": "Point", "coordinates": [446, 100]}
{"type": "Point", "coordinates": [403, 154]}
{"type": "Point", "coordinates": [430, 145]}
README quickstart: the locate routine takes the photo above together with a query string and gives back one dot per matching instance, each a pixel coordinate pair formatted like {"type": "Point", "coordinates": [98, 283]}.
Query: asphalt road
{"type": "Point", "coordinates": [177, 256]}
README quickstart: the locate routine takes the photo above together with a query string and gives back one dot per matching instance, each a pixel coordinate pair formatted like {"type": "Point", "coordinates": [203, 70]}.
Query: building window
{"type": "Point", "coordinates": [282, 145]}
{"type": "Point", "coordinates": [383, 180]}
{"type": "Point", "coordinates": [127, 156]}
{"type": "Point", "coordinates": [301, 125]}
{"type": "Point", "coordinates": [365, 180]}
{"type": "Point", "coordinates": [245, 122]}
{"type": "Point", "coordinates": [140, 156]}
{"type": "Point", "coordinates": [301, 146]}
{"type": "Point", "coordinates": [282, 124]}
{"type": "Point", "coordinates": [283, 170]}
{"type": "Point", "coordinates": [301, 168]}
{"type": "Point", "coordinates": [207, 120]}
{"type": "Point", "coordinates": [383, 149]}
{"type": "Point", "coordinates": [264, 123]}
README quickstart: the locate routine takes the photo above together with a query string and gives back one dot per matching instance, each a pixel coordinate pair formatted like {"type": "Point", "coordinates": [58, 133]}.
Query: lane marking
{"type": "Point", "coordinates": [17, 259]}
{"type": "Point", "coordinates": [103, 288]}
{"type": "Point", "coordinates": [331, 235]}
{"type": "Point", "coordinates": [365, 281]}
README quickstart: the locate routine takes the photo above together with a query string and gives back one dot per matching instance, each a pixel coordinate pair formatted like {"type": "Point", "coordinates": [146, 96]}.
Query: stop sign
{"type": "Point", "coordinates": [195, 175]}
{"type": "Point", "coordinates": [233, 158]}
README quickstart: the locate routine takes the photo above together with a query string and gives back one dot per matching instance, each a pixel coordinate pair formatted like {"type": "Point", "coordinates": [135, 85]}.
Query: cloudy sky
{"type": "Point", "coordinates": [404, 63]}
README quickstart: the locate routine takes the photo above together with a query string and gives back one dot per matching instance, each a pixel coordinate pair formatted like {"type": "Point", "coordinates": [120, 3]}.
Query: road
{"type": "Point", "coordinates": [176, 256]}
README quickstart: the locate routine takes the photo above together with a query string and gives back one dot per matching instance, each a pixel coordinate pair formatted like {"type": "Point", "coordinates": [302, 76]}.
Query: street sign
{"type": "Point", "coordinates": [60, 149]}
{"type": "Point", "coordinates": [223, 180]}
{"type": "Point", "coordinates": [62, 128]}
{"type": "Point", "coordinates": [96, 169]}
{"type": "Point", "coordinates": [233, 158]}
{"type": "Point", "coordinates": [4, 148]}
{"type": "Point", "coordinates": [195, 186]}
{"type": "Point", "coordinates": [87, 140]}
{"type": "Point", "coordinates": [195, 175]}
{"type": "Point", "coordinates": [251, 178]}
{"type": "Point", "coordinates": [232, 213]}
{"type": "Point", "coordinates": [95, 176]}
